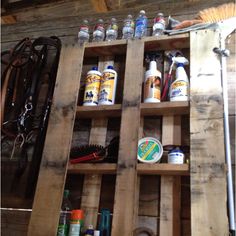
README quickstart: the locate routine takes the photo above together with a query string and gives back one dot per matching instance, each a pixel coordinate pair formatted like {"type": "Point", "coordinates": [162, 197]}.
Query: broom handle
{"type": "Point", "coordinates": [227, 136]}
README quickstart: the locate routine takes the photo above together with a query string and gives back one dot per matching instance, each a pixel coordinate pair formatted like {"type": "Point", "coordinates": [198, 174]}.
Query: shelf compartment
{"type": "Point", "coordinates": [163, 169]}
{"type": "Point", "coordinates": [105, 48]}
{"type": "Point", "coordinates": [142, 169]}
{"type": "Point", "coordinates": [165, 108]}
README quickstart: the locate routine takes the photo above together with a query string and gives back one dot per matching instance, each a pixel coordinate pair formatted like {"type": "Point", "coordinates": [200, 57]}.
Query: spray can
{"type": "Point", "coordinates": [92, 87]}
{"type": "Point", "coordinates": [108, 87]}
{"type": "Point", "coordinates": [76, 222]}
{"type": "Point", "coordinates": [179, 89]}
{"type": "Point", "coordinates": [152, 83]}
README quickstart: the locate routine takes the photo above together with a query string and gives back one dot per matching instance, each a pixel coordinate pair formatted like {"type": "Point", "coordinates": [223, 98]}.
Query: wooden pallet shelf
{"type": "Point", "coordinates": [147, 109]}
{"type": "Point", "coordinates": [143, 169]}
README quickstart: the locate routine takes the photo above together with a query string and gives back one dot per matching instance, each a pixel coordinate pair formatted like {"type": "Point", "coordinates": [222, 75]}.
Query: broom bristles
{"type": "Point", "coordinates": [216, 14]}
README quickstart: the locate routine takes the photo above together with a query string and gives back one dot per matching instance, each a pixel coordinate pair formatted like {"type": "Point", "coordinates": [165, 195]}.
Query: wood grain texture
{"type": "Point", "coordinates": [126, 181]}
{"type": "Point", "coordinates": [53, 167]}
{"type": "Point", "coordinates": [92, 183]}
{"type": "Point", "coordinates": [208, 174]}
{"type": "Point", "coordinates": [170, 224]}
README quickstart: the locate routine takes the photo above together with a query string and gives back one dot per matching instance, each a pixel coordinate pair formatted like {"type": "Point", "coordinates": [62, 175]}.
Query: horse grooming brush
{"type": "Point", "coordinates": [95, 153]}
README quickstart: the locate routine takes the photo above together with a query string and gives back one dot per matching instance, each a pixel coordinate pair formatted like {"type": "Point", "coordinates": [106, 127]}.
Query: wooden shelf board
{"type": "Point", "coordinates": [142, 168]}
{"type": "Point", "coordinates": [147, 109]}
{"type": "Point", "coordinates": [98, 111]}
{"type": "Point", "coordinates": [118, 47]}
{"type": "Point", "coordinates": [165, 42]}
{"type": "Point", "coordinates": [163, 169]}
{"type": "Point", "coordinates": [164, 108]}
{"type": "Point", "coordinates": [92, 168]}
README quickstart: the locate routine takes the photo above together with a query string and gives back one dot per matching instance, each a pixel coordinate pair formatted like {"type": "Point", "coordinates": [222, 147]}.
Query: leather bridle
{"type": "Point", "coordinates": [28, 66]}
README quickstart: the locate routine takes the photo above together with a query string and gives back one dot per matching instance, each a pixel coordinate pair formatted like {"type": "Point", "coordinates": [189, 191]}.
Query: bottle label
{"type": "Point", "coordinates": [92, 88]}
{"type": "Point", "coordinates": [84, 28]}
{"type": "Point", "coordinates": [74, 229]}
{"type": "Point", "coordinates": [99, 27]}
{"type": "Point", "coordinates": [129, 24]}
{"type": "Point", "coordinates": [63, 230]}
{"type": "Point", "coordinates": [152, 87]}
{"type": "Point", "coordinates": [179, 89]}
{"type": "Point", "coordinates": [107, 87]}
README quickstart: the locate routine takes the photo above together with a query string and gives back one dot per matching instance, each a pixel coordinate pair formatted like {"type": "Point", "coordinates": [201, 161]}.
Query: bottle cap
{"type": "Point", "coordinates": [94, 68]}
{"type": "Point", "coordinates": [180, 65]}
{"type": "Point", "coordinates": [142, 12]}
{"type": "Point", "coordinates": [66, 192]}
{"type": "Point", "coordinates": [110, 67]}
{"type": "Point", "coordinates": [77, 214]}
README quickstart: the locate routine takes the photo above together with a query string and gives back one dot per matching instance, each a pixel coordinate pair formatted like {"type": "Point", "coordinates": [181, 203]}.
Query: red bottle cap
{"type": "Point", "coordinates": [77, 215]}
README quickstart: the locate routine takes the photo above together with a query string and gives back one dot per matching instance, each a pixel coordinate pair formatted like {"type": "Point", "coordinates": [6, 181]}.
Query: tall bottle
{"type": "Point", "coordinates": [99, 31]}
{"type": "Point", "coordinates": [64, 221]}
{"type": "Point", "coordinates": [179, 89]}
{"type": "Point", "coordinates": [128, 28]}
{"type": "Point", "coordinates": [159, 25]}
{"type": "Point", "coordinates": [141, 25]}
{"type": "Point", "coordinates": [152, 83]}
{"type": "Point", "coordinates": [92, 86]}
{"type": "Point", "coordinates": [83, 34]}
{"type": "Point", "coordinates": [108, 87]}
{"type": "Point", "coordinates": [112, 30]}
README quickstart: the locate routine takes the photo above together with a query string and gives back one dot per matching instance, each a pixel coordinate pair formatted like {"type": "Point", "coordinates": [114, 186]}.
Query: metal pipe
{"type": "Point", "coordinates": [223, 54]}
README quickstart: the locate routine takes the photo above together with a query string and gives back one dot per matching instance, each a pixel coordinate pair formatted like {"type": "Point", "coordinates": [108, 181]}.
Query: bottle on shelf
{"type": "Point", "coordinates": [64, 221]}
{"type": "Point", "coordinates": [83, 34]}
{"type": "Point", "coordinates": [159, 25]}
{"type": "Point", "coordinates": [76, 222]}
{"type": "Point", "coordinates": [128, 28]}
{"type": "Point", "coordinates": [112, 30]}
{"type": "Point", "coordinates": [179, 89]}
{"type": "Point", "coordinates": [152, 83]}
{"type": "Point", "coordinates": [92, 86]}
{"type": "Point", "coordinates": [108, 87]}
{"type": "Point", "coordinates": [99, 31]}
{"type": "Point", "coordinates": [141, 25]}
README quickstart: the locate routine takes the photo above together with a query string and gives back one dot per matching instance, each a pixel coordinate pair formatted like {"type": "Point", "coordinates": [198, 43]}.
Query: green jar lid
{"type": "Point", "coordinates": [150, 150]}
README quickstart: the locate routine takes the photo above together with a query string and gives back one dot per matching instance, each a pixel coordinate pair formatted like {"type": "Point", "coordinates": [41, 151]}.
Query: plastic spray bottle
{"type": "Point", "coordinates": [92, 87]}
{"type": "Point", "coordinates": [108, 87]}
{"type": "Point", "coordinates": [152, 83]}
{"type": "Point", "coordinates": [179, 89]}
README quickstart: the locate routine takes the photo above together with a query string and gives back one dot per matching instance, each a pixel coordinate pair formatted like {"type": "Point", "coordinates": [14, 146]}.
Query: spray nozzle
{"type": "Point", "coordinates": [152, 56]}
{"type": "Point", "coordinates": [180, 60]}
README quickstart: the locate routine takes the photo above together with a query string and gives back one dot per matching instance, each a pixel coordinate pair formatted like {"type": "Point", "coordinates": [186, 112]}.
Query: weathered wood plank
{"type": "Point", "coordinates": [208, 200]}
{"type": "Point", "coordinates": [126, 181]}
{"type": "Point", "coordinates": [92, 183]}
{"type": "Point", "coordinates": [53, 167]}
{"type": "Point", "coordinates": [170, 186]}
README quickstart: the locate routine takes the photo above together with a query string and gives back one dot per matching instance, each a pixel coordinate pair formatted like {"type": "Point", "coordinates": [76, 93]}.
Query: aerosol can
{"type": "Point", "coordinates": [152, 83]}
{"type": "Point", "coordinates": [179, 89]}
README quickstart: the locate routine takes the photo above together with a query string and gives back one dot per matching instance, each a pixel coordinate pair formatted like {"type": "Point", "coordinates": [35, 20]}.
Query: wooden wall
{"type": "Point", "coordinates": [67, 15]}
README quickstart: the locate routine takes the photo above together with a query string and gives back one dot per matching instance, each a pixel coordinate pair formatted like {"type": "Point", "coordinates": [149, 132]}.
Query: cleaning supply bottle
{"type": "Point", "coordinates": [152, 83]}
{"type": "Point", "coordinates": [64, 221]}
{"type": "Point", "coordinates": [179, 89]}
{"type": "Point", "coordinates": [108, 87]}
{"type": "Point", "coordinates": [92, 87]}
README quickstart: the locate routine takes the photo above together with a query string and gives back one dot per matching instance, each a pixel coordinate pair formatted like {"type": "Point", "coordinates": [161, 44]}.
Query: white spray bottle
{"type": "Point", "coordinates": [152, 83]}
{"type": "Point", "coordinates": [179, 89]}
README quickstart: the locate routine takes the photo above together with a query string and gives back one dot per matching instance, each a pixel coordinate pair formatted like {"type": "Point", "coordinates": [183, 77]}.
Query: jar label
{"type": "Point", "coordinates": [148, 151]}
